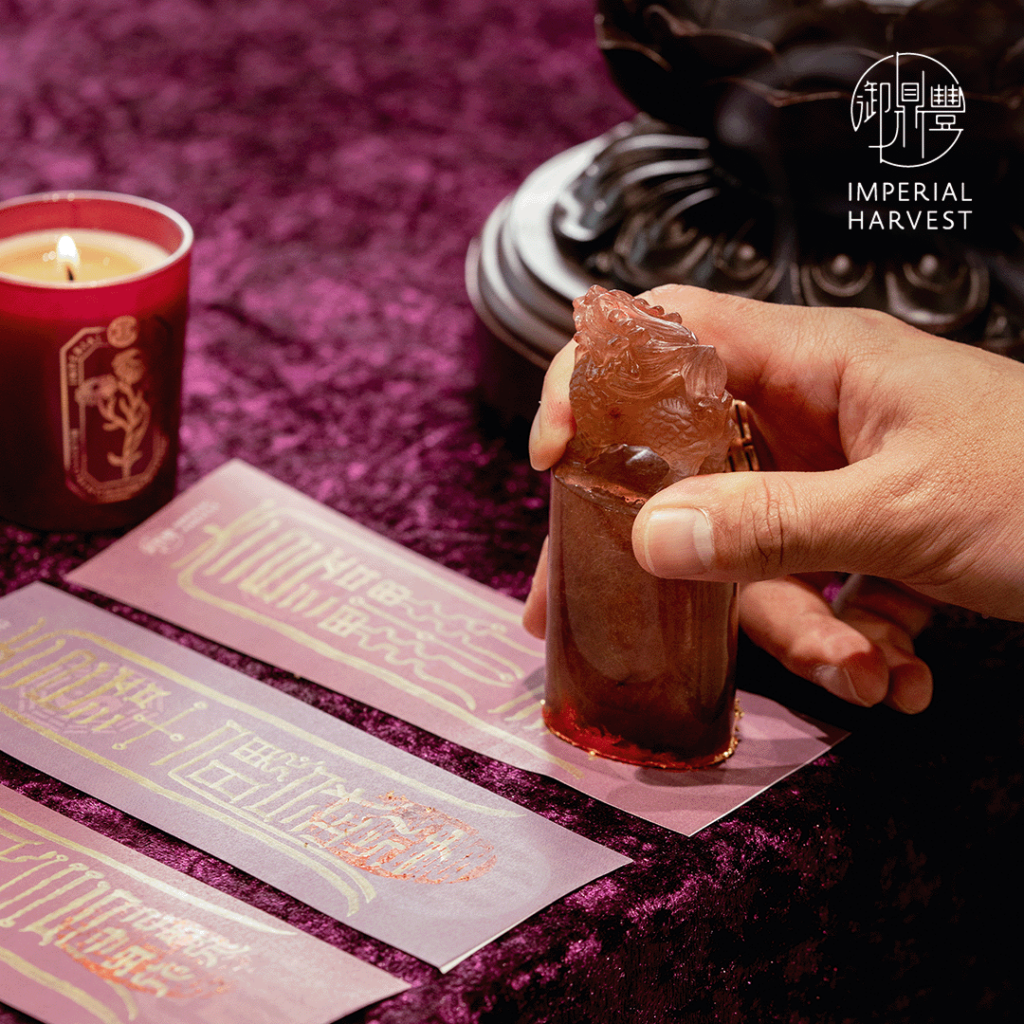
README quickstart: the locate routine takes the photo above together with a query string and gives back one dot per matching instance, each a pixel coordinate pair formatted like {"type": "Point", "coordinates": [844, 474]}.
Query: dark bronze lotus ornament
{"type": "Point", "coordinates": [742, 171]}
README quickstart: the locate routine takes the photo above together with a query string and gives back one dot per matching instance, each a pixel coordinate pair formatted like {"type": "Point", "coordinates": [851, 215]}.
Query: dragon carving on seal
{"type": "Point", "coordinates": [643, 381]}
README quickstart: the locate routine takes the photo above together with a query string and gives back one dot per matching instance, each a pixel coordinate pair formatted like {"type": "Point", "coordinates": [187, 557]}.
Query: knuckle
{"type": "Point", "coordinates": [769, 510]}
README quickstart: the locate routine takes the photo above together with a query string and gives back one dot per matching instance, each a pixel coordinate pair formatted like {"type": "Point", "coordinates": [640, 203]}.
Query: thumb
{"type": "Point", "coordinates": [754, 526]}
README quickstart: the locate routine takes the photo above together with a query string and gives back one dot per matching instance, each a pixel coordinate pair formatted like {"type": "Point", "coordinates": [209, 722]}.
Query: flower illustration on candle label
{"type": "Point", "coordinates": [123, 331]}
{"type": "Point", "coordinates": [110, 450]}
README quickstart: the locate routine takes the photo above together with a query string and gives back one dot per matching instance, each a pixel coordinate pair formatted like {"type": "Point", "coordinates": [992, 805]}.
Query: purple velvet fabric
{"type": "Point", "coordinates": [335, 158]}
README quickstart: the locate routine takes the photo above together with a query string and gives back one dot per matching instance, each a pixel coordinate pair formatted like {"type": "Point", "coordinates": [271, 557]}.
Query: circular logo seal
{"type": "Point", "coordinates": [123, 331]}
{"type": "Point", "coordinates": [908, 104]}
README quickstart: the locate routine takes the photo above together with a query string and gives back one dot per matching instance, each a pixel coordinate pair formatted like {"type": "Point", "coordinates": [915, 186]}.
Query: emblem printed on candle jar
{"type": "Point", "coordinates": [112, 447]}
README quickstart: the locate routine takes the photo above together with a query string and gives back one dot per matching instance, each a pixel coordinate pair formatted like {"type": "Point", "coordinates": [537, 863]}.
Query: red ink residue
{"type": "Point", "coordinates": [120, 956]}
{"type": "Point", "coordinates": [397, 838]}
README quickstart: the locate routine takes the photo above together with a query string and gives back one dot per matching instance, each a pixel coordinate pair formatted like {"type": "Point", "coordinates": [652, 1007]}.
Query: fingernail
{"type": "Point", "coordinates": [837, 681]}
{"type": "Point", "coordinates": [535, 432]}
{"type": "Point", "coordinates": [677, 542]}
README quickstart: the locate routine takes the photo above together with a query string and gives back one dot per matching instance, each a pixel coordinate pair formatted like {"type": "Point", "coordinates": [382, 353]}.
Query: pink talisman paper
{"type": "Point", "coordinates": [254, 564]}
{"type": "Point", "coordinates": [94, 933]}
{"type": "Point", "coordinates": [398, 848]}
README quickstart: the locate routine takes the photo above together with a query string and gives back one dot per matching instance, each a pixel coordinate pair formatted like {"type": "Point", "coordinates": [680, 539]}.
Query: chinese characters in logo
{"type": "Point", "coordinates": [908, 104]}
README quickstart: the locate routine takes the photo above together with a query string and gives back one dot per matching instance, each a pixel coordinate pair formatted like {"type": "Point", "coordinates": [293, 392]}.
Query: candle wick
{"type": "Point", "coordinates": [71, 276]}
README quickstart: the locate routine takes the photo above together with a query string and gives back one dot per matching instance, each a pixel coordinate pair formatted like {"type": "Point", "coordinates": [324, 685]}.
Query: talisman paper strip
{"type": "Point", "coordinates": [253, 564]}
{"type": "Point", "coordinates": [94, 933]}
{"type": "Point", "coordinates": [394, 846]}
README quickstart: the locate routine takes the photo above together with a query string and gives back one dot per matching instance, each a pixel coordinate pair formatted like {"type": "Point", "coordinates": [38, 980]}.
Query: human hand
{"type": "Point", "coordinates": [890, 446]}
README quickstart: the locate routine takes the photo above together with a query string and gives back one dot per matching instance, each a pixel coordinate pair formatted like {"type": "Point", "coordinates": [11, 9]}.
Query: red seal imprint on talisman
{"type": "Point", "coordinates": [397, 838]}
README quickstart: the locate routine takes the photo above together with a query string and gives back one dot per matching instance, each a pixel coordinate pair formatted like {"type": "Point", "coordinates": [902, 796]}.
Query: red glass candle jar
{"type": "Point", "coordinates": [93, 305]}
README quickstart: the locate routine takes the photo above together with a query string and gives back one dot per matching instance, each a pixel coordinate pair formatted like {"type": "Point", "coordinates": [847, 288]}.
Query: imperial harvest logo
{"type": "Point", "coordinates": [908, 103]}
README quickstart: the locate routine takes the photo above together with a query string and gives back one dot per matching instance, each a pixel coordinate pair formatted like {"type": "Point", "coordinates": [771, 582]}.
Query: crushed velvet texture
{"type": "Point", "coordinates": [335, 157]}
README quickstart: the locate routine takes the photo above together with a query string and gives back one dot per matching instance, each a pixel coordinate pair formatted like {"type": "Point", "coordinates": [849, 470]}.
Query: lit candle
{"type": "Point", "coordinates": [93, 303]}
{"type": "Point", "coordinates": [72, 256]}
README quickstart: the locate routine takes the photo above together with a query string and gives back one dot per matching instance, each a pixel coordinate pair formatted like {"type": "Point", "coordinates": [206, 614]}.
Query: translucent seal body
{"type": "Point", "coordinates": [639, 669]}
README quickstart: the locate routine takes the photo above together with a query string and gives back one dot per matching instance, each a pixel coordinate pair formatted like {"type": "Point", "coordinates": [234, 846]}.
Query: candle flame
{"type": "Point", "coordinates": [67, 251]}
